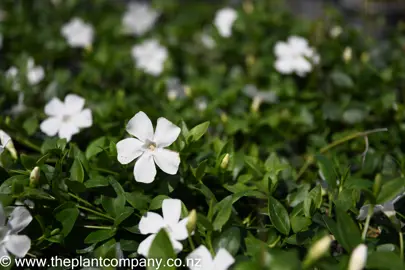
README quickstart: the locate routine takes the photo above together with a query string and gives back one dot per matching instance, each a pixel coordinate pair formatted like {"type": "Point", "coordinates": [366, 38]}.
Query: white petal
{"type": "Point", "coordinates": [2, 216]}
{"type": "Point", "coordinates": [141, 127]}
{"type": "Point", "coordinates": [4, 138]}
{"type": "Point", "coordinates": [54, 107]}
{"type": "Point", "coordinates": [179, 231]}
{"type": "Point", "coordinates": [302, 65]}
{"type": "Point", "coordinates": [18, 245]}
{"type": "Point", "coordinates": [83, 119]}
{"type": "Point", "coordinates": [167, 160]}
{"type": "Point", "coordinates": [73, 104]}
{"type": "Point", "coordinates": [35, 75]}
{"type": "Point", "coordinates": [3, 251]}
{"type": "Point", "coordinates": [223, 260]}
{"type": "Point", "coordinates": [166, 132]}
{"type": "Point", "coordinates": [151, 223]}
{"type": "Point", "coordinates": [145, 245]}
{"type": "Point", "coordinates": [363, 212]}
{"type": "Point", "coordinates": [171, 209]}
{"type": "Point", "coordinates": [67, 130]}
{"type": "Point", "coordinates": [19, 219]}
{"type": "Point", "coordinates": [358, 258]}
{"type": "Point", "coordinates": [201, 258]}
{"type": "Point", "coordinates": [284, 65]}
{"type": "Point", "coordinates": [282, 49]}
{"type": "Point", "coordinates": [177, 246]}
{"type": "Point", "coordinates": [145, 170]}
{"type": "Point", "coordinates": [51, 126]}
{"type": "Point", "coordinates": [128, 150]}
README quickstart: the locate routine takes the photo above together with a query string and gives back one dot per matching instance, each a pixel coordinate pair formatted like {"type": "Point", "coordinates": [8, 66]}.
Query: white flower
{"type": "Point", "coordinates": [150, 56]}
{"type": "Point", "coordinates": [4, 140]}
{"type": "Point", "coordinates": [295, 55]}
{"type": "Point", "coordinates": [201, 103]}
{"type": "Point", "coordinates": [34, 74]}
{"type": "Point", "coordinates": [222, 261]}
{"type": "Point", "coordinates": [259, 96]}
{"type": "Point", "coordinates": [224, 20]}
{"type": "Point", "coordinates": [149, 147]}
{"type": "Point", "coordinates": [66, 118]}
{"type": "Point", "coordinates": [77, 33]}
{"type": "Point", "coordinates": [388, 208]}
{"type": "Point", "coordinates": [10, 241]}
{"type": "Point", "coordinates": [336, 31]}
{"type": "Point", "coordinates": [174, 88]}
{"type": "Point", "coordinates": [139, 18]}
{"type": "Point", "coordinates": [207, 41]}
{"type": "Point", "coordinates": [152, 223]}
{"type": "Point", "coordinates": [358, 258]}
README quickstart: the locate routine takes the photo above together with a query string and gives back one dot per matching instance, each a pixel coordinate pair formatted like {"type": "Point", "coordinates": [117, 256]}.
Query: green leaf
{"type": "Point", "coordinates": [114, 206]}
{"type": "Point", "coordinates": [120, 217]}
{"type": "Point", "coordinates": [342, 80]}
{"type": "Point", "coordinates": [99, 236]}
{"type": "Point", "coordinates": [223, 214]}
{"type": "Point", "coordinates": [76, 171]}
{"type": "Point", "coordinates": [156, 202]}
{"type": "Point", "coordinates": [197, 132]}
{"type": "Point", "coordinates": [299, 224]}
{"type": "Point", "coordinates": [31, 125]}
{"type": "Point", "coordinates": [254, 164]}
{"type": "Point", "coordinates": [28, 161]}
{"type": "Point", "coordinates": [230, 240]}
{"type": "Point", "coordinates": [390, 190]}
{"type": "Point", "coordinates": [313, 201]}
{"type": "Point", "coordinates": [200, 171]}
{"type": "Point", "coordinates": [327, 169]}
{"type": "Point", "coordinates": [95, 147]}
{"type": "Point", "coordinates": [67, 215]}
{"type": "Point", "coordinates": [137, 200]}
{"type": "Point", "coordinates": [348, 232]}
{"type": "Point", "coordinates": [161, 249]}
{"type": "Point", "coordinates": [279, 216]}
{"type": "Point", "coordinates": [385, 260]}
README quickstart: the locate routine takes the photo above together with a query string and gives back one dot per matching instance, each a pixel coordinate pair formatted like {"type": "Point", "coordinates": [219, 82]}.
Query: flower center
{"type": "Point", "coordinates": [150, 145]}
{"type": "Point", "coordinates": [66, 118]}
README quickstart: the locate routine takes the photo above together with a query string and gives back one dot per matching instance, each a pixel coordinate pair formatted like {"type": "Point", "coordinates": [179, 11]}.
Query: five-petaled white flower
{"type": "Point", "coordinates": [224, 20]}
{"type": "Point", "coordinates": [77, 33]}
{"type": "Point", "coordinates": [34, 74]}
{"type": "Point", "coordinates": [295, 55]}
{"type": "Point", "coordinates": [66, 118]}
{"type": "Point", "coordinates": [358, 258]}
{"type": "Point", "coordinates": [149, 147]}
{"type": "Point", "coordinates": [150, 56]}
{"type": "Point", "coordinates": [10, 241]}
{"type": "Point", "coordinates": [152, 223]}
{"type": "Point", "coordinates": [139, 18]}
{"type": "Point", "coordinates": [222, 261]}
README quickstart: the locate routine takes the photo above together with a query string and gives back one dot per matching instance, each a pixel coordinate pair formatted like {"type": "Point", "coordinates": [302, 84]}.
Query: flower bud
{"type": "Point", "coordinates": [225, 161]}
{"type": "Point", "coordinates": [319, 249]}
{"type": "Point", "coordinates": [257, 101]}
{"type": "Point", "coordinates": [187, 90]}
{"type": "Point", "coordinates": [358, 258]}
{"type": "Point", "coordinates": [192, 221]}
{"type": "Point", "coordinates": [34, 176]}
{"type": "Point", "coordinates": [336, 31]}
{"type": "Point", "coordinates": [347, 54]}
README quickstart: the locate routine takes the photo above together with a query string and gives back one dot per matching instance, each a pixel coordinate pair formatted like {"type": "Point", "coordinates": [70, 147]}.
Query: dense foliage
{"type": "Point", "coordinates": [273, 157]}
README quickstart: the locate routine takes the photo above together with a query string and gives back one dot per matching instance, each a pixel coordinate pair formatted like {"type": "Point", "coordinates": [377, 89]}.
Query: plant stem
{"type": "Point", "coordinates": [365, 229]}
{"type": "Point", "coordinates": [81, 200]}
{"type": "Point", "coordinates": [106, 171]}
{"type": "Point", "coordinates": [401, 245]}
{"type": "Point", "coordinates": [190, 240]}
{"type": "Point", "coordinates": [95, 212]}
{"type": "Point", "coordinates": [98, 227]}
{"type": "Point", "coordinates": [27, 143]}
{"type": "Point", "coordinates": [325, 149]}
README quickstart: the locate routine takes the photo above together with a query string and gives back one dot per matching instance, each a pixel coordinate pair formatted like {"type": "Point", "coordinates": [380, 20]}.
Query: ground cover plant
{"type": "Point", "coordinates": [232, 133]}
